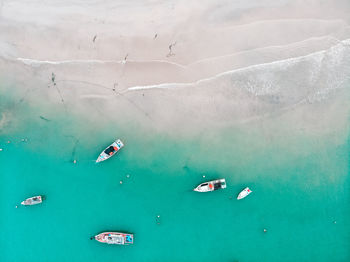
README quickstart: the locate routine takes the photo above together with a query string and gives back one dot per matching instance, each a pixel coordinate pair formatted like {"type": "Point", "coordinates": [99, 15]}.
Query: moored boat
{"type": "Point", "coordinates": [211, 185]}
{"type": "Point", "coordinates": [110, 151]}
{"type": "Point", "coordinates": [245, 192]}
{"type": "Point", "coordinates": [116, 238]}
{"type": "Point", "coordinates": [32, 201]}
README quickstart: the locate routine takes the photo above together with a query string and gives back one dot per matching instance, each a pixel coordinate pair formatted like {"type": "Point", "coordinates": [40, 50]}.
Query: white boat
{"type": "Point", "coordinates": [110, 151]}
{"type": "Point", "coordinates": [115, 238]}
{"type": "Point", "coordinates": [32, 201]}
{"type": "Point", "coordinates": [211, 185]}
{"type": "Point", "coordinates": [245, 192]}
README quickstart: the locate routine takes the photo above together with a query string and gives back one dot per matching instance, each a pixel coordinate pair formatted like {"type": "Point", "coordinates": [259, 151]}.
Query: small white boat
{"type": "Point", "coordinates": [32, 201]}
{"type": "Point", "coordinates": [245, 192]}
{"type": "Point", "coordinates": [110, 151]}
{"type": "Point", "coordinates": [211, 185]}
{"type": "Point", "coordinates": [115, 238]}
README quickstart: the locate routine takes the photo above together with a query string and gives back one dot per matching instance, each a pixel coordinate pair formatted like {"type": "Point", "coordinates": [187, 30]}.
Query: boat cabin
{"type": "Point", "coordinates": [219, 185]}
{"type": "Point", "coordinates": [111, 150]}
{"type": "Point", "coordinates": [115, 239]}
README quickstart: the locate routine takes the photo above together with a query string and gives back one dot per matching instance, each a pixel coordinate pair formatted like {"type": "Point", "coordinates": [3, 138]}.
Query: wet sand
{"type": "Point", "coordinates": [217, 63]}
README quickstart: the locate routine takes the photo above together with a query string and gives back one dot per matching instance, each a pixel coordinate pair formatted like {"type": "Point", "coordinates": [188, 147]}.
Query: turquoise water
{"type": "Point", "coordinates": [300, 186]}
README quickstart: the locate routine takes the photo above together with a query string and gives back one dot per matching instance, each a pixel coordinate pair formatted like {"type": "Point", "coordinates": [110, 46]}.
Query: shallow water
{"type": "Point", "coordinates": [300, 186]}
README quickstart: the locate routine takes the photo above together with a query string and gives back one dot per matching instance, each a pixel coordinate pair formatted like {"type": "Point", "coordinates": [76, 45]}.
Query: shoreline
{"type": "Point", "coordinates": [231, 73]}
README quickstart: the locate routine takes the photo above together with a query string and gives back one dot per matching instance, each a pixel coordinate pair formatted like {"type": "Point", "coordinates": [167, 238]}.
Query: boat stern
{"type": "Point", "coordinates": [129, 239]}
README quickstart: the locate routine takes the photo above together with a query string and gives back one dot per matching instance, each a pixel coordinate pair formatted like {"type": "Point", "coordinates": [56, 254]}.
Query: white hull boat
{"type": "Point", "coordinates": [110, 151]}
{"type": "Point", "coordinates": [32, 201]}
{"type": "Point", "coordinates": [245, 192]}
{"type": "Point", "coordinates": [211, 185]}
{"type": "Point", "coordinates": [115, 238]}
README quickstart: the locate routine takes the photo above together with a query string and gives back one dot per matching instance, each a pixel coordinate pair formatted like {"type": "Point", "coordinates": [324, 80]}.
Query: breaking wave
{"type": "Point", "coordinates": [313, 75]}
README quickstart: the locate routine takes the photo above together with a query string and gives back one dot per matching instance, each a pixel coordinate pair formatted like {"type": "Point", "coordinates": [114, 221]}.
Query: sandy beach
{"type": "Point", "coordinates": [176, 63]}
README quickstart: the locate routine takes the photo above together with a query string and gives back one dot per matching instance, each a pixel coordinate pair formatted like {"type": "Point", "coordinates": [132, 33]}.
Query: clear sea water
{"type": "Point", "coordinates": [300, 186]}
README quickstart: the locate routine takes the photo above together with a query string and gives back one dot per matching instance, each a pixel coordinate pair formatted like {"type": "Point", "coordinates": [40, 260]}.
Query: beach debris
{"type": "Point", "coordinates": [126, 57]}
{"type": "Point", "coordinates": [127, 175]}
{"type": "Point", "coordinates": [155, 36]}
{"type": "Point", "coordinates": [0, 149]}
{"type": "Point", "coordinates": [53, 80]}
{"type": "Point", "coordinates": [8, 141]}
{"type": "Point", "coordinates": [93, 40]}
{"type": "Point", "coordinates": [44, 118]}
{"type": "Point", "coordinates": [170, 50]}
{"type": "Point", "coordinates": [114, 87]}
{"type": "Point", "coordinates": [265, 230]}
{"type": "Point", "coordinates": [16, 206]}
{"type": "Point", "coordinates": [121, 182]}
{"type": "Point", "coordinates": [53, 77]}
{"type": "Point", "coordinates": [203, 176]}
{"type": "Point", "coordinates": [74, 161]}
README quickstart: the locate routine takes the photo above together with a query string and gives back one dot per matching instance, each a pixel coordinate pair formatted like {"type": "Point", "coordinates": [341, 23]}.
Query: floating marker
{"type": "Point", "coordinates": [158, 219]}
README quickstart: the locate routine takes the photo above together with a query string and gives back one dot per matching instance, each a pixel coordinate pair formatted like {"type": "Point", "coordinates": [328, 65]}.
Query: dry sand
{"type": "Point", "coordinates": [180, 65]}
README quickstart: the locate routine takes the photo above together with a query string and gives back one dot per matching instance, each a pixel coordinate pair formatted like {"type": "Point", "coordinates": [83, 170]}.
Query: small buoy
{"type": "Point", "coordinates": [121, 182]}
{"type": "Point", "coordinates": [74, 161]}
{"type": "Point", "coordinates": [265, 230]}
{"type": "Point", "coordinates": [158, 219]}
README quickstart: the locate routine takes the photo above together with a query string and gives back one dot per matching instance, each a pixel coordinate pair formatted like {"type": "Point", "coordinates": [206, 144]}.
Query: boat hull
{"type": "Point", "coordinates": [244, 193]}
{"type": "Point", "coordinates": [116, 238]}
{"type": "Point", "coordinates": [211, 186]}
{"type": "Point", "coordinates": [32, 201]}
{"type": "Point", "coordinates": [110, 151]}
